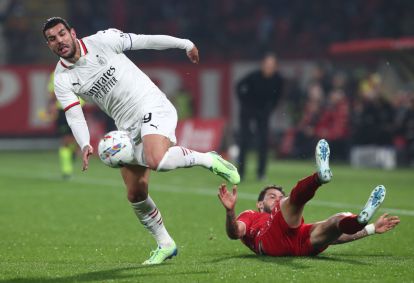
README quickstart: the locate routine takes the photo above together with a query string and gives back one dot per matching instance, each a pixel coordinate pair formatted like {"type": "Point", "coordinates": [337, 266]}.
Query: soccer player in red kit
{"type": "Point", "coordinates": [278, 228]}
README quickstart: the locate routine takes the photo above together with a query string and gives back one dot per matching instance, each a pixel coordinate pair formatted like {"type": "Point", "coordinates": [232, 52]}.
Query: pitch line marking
{"type": "Point", "coordinates": [196, 191]}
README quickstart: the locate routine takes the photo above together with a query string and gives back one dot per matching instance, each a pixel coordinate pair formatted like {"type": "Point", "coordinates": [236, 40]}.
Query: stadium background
{"type": "Point", "coordinates": [361, 49]}
{"type": "Point", "coordinates": [327, 48]}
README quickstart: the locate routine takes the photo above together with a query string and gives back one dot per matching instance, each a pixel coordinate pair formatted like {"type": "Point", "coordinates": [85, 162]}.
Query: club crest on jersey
{"type": "Point", "coordinates": [101, 60]}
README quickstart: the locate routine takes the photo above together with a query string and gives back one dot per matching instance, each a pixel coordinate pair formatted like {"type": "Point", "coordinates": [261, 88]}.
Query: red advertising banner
{"type": "Point", "coordinates": [201, 134]}
{"type": "Point", "coordinates": [23, 93]}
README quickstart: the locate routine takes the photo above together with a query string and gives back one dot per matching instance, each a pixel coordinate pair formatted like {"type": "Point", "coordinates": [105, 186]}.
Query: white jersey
{"type": "Point", "coordinates": [105, 76]}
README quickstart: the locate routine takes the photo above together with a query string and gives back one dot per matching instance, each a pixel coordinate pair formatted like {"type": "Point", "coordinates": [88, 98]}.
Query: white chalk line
{"type": "Point", "coordinates": [175, 188]}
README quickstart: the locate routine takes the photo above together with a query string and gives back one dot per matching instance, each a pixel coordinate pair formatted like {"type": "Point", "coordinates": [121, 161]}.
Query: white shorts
{"type": "Point", "coordinates": [161, 119]}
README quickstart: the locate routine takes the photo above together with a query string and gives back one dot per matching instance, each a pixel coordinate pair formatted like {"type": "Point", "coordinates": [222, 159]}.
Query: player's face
{"type": "Point", "coordinates": [61, 41]}
{"type": "Point", "coordinates": [271, 197]}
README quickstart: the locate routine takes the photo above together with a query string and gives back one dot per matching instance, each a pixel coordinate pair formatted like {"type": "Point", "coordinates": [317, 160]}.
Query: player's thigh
{"type": "Point", "coordinates": [325, 232]}
{"type": "Point", "coordinates": [158, 132]}
{"type": "Point", "coordinates": [155, 147]}
{"type": "Point", "coordinates": [136, 180]}
{"type": "Point", "coordinates": [291, 213]}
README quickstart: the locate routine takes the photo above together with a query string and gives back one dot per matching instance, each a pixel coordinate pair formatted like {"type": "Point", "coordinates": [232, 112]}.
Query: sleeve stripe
{"type": "Point", "coordinates": [71, 105]}
{"type": "Point", "coordinates": [130, 39]}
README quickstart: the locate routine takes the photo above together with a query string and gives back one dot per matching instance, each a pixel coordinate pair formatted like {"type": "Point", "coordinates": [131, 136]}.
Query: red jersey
{"type": "Point", "coordinates": [268, 233]}
{"type": "Point", "coordinates": [256, 223]}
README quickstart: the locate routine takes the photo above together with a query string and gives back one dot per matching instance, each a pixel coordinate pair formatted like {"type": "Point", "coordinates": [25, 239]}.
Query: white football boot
{"type": "Point", "coordinates": [322, 153]}
{"type": "Point", "coordinates": [375, 200]}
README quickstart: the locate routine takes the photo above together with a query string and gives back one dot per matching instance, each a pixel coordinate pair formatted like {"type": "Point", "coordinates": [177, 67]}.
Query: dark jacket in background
{"type": "Point", "coordinates": [258, 96]}
{"type": "Point", "coordinates": [257, 93]}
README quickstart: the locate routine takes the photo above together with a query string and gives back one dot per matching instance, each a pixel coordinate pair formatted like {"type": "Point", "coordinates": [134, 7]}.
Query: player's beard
{"type": "Point", "coordinates": [72, 46]}
{"type": "Point", "coordinates": [267, 208]}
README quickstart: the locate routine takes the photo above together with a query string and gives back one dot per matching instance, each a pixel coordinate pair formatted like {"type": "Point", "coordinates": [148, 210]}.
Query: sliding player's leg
{"type": "Point", "coordinates": [136, 180]}
{"type": "Point", "coordinates": [326, 232]}
{"type": "Point", "coordinates": [292, 207]}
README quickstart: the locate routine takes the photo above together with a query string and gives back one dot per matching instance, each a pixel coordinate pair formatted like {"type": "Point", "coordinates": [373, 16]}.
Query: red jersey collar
{"type": "Point", "coordinates": [83, 50]}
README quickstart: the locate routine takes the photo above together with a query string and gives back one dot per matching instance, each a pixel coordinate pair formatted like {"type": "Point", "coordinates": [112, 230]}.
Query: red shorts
{"type": "Point", "coordinates": [281, 240]}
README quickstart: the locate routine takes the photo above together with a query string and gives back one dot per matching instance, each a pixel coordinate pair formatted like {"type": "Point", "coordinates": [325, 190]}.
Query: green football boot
{"type": "Point", "coordinates": [161, 254]}
{"type": "Point", "coordinates": [224, 169]}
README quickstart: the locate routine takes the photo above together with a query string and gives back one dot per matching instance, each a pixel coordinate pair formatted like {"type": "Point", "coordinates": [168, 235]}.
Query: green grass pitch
{"type": "Point", "coordinates": [84, 230]}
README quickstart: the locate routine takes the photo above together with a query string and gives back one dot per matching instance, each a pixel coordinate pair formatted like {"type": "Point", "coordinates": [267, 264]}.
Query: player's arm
{"type": "Point", "coordinates": [121, 42]}
{"type": "Point", "coordinates": [235, 229]}
{"type": "Point", "coordinates": [162, 42]}
{"type": "Point", "coordinates": [383, 224]}
{"type": "Point", "coordinates": [77, 123]}
{"type": "Point", "coordinates": [75, 118]}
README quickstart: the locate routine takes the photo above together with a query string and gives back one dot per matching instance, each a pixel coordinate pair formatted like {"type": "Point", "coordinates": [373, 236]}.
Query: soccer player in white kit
{"type": "Point", "coordinates": [96, 69]}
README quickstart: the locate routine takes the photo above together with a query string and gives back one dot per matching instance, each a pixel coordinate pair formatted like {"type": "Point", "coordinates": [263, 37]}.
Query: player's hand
{"type": "Point", "coordinates": [227, 199]}
{"type": "Point", "coordinates": [386, 223]}
{"type": "Point", "coordinates": [86, 152]}
{"type": "Point", "coordinates": [193, 55]}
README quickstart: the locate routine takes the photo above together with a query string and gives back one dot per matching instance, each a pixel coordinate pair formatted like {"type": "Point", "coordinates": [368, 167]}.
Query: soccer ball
{"type": "Point", "coordinates": [116, 149]}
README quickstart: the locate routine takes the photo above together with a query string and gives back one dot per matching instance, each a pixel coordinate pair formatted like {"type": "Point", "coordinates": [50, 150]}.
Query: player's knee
{"type": "Point", "coordinates": [153, 160]}
{"type": "Point", "coordinates": [339, 216]}
{"type": "Point", "coordinates": [138, 191]}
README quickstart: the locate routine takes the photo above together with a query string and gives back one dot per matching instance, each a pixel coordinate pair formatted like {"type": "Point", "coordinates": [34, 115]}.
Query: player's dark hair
{"type": "Point", "coordinates": [269, 54]}
{"type": "Point", "coordinates": [265, 189]}
{"type": "Point", "coordinates": [51, 22]}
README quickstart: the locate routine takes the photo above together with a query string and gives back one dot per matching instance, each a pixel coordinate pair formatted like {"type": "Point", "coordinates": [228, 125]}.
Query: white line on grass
{"type": "Point", "coordinates": [174, 188]}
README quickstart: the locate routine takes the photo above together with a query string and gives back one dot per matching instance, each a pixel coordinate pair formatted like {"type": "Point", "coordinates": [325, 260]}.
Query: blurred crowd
{"type": "Point", "coordinates": [223, 29]}
{"type": "Point", "coordinates": [349, 112]}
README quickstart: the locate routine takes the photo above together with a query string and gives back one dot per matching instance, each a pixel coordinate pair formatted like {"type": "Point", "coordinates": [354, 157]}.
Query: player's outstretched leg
{"type": "Point", "coordinates": [375, 200]}
{"type": "Point", "coordinates": [181, 157]}
{"type": "Point", "coordinates": [354, 223]}
{"type": "Point", "coordinates": [322, 153]}
{"type": "Point", "coordinates": [305, 189]}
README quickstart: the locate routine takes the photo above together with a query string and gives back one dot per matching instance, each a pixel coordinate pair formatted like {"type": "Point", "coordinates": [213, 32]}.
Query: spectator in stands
{"type": "Point", "coordinates": [333, 123]}
{"type": "Point", "coordinates": [259, 93]}
{"type": "Point", "coordinates": [305, 130]}
{"type": "Point", "coordinates": [373, 115]}
{"type": "Point", "coordinates": [404, 124]}
{"type": "Point", "coordinates": [17, 31]}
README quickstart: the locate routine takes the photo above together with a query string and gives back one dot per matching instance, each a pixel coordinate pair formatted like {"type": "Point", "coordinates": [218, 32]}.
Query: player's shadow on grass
{"type": "Point", "coordinates": [111, 274]}
{"type": "Point", "coordinates": [294, 262]}
{"type": "Point", "coordinates": [286, 261]}
{"type": "Point", "coordinates": [339, 259]}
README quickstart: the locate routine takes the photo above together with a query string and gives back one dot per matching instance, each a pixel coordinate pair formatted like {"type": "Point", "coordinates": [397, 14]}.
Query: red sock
{"type": "Point", "coordinates": [304, 190]}
{"type": "Point", "coordinates": [349, 225]}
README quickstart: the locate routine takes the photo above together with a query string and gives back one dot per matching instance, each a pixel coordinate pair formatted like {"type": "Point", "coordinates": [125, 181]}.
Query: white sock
{"type": "Point", "coordinates": [179, 157]}
{"type": "Point", "coordinates": [149, 216]}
